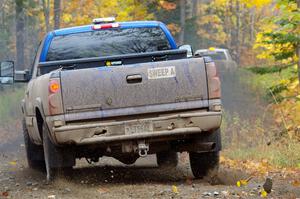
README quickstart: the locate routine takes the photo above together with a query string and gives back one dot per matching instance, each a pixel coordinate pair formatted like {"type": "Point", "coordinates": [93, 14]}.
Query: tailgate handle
{"type": "Point", "coordinates": [133, 79]}
{"type": "Point", "coordinates": [160, 58]}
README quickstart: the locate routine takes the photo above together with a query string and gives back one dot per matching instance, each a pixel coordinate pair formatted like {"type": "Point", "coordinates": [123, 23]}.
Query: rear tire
{"type": "Point", "coordinates": [56, 158]}
{"type": "Point", "coordinates": [167, 159]}
{"type": "Point", "coordinates": [207, 163]}
{"type": "Point", "coordinates": [204, 164]}
{"type": "Point", "coordinates": [34, 153]}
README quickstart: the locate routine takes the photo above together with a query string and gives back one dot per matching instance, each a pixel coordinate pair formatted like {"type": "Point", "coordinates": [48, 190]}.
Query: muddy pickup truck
{"type": "Point", "coordinates": [123, 90]}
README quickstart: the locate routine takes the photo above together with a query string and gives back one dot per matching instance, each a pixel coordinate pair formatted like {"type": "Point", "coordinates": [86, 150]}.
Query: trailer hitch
{"type": "Point", "coordinates": [143, 148]}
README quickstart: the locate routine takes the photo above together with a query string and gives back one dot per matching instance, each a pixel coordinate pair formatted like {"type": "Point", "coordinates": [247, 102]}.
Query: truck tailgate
{"type": "Point", "coordinates": [134, 86]}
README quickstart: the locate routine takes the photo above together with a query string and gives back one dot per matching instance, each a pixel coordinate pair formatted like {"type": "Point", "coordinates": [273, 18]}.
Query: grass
{"type": "Point", "coordinates": [277, 154]}
{"type": "Point", "coordinates": [254, 139]}
{"type": "Point", "coordinates": [245, 140]}
{"type": "Point", "coordinates": [10, 103]}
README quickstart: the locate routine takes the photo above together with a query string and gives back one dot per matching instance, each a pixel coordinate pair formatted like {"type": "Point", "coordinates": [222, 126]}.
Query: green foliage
{"type": "Point", "coordinates": [280, 154]}
{"type": "Point", "coordinates": [282, 38]}
{"type": "Point", "coordinates": [264, 69]}
{"type": "Point", "coordinates": [10, 100]}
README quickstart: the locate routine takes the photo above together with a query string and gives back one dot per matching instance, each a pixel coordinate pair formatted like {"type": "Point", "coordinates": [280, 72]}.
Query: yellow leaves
{"type": "Point", "coordinates": [77, 12]}
{"type": "Point", "coordinates": [243, 182]}
{"type": "Point", "coordinates": [257, 3]}
{"type": "Point", "coordinates": [67, 18]}
{"type": "Point", "coordinates": [261, 167]}
{"type": "Point", "coordinates": [263, 193]}
{"type": "Point", "coordinates": [289, 107]}
{"type": "Point", "coordinates": [284, 81]}
{"type": "Point", "coordinates": [296, 183]}
{"type": "Point", "coordinates": [293, 85]}
{"type": "Point", "coordinates": [175, 189]}
{"type": "Point", "coordinates": [248, 3]}
{"type": "Point", "coordinates": [215, 26]}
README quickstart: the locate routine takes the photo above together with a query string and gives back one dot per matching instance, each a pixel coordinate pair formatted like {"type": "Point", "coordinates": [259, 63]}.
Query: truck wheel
{"type": "Point", "coordinates": [167, 159]}
{"type": "Point", "coordinates": [34, 153]}
{"type": "Point", "coordinates": [56, 158]}
{"type": "Point", "coordinates": [203, 164]}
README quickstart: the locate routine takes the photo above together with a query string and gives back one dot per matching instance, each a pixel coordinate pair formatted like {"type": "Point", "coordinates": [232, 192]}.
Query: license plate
{"type": "Point", "coordinates": [140, 127]}
{"type": "Point", "coordinates": [161, 72]}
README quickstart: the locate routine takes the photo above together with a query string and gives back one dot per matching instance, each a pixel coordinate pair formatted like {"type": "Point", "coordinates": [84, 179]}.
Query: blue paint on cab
{"type": "Point", "coordinates": [88, 28]}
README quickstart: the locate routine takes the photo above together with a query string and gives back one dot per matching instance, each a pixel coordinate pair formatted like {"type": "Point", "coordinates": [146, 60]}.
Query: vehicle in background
{"type": "Point", "coordinates": [221, 57]}
{"type": "Point", "coordinates": [123, 90]}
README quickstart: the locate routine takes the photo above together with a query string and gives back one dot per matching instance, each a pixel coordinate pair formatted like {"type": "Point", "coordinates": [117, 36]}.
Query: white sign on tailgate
{"type": "Point", "coordinates": [161, 72]}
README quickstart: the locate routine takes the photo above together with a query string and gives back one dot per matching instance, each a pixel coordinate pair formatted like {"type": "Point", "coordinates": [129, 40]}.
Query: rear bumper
{"type": "Point", "coordinates": [165, 127]}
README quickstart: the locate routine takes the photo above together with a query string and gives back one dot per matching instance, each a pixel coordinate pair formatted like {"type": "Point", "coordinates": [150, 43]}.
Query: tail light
{"type": "Point", "coordinates": [214, 84]}
{"type": "Point", "coordinates": [54, 97]}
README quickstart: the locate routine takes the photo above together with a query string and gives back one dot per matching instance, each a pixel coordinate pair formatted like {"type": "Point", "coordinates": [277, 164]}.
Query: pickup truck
{"type": "Point", "coordinates": [220, 56]}
{"type": "Point", "coordinates": [123, 90]}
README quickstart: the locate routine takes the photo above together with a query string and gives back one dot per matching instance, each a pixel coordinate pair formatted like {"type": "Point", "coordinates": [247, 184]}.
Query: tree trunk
{"type": "Point", "coordinates": [57, 10]}
{"type": "Point", "coordinates": [252, 23]}
{"type": "Point", "coordinates": [195, 8]}
{"type": "Point", "coordinates": [46, 10]}
{"type": "Point", "coordinates": [298, 51]}
{"type": "Point", "coordinates": [238, 19]}
{"type": "Point", "coordinates": [182, 21]}
{"type": "Point", "coordinates": [20, 34]}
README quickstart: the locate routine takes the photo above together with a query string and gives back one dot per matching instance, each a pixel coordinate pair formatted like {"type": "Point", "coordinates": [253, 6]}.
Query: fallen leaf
{"type": "Point", "coordinates": [4, 194]}
{"type": "Point", "coordinates": [13, 163]}
{"type": "Point", "coordinates": [243, 182]}
{"type": "Point", "coordinates": [175, 189]}
{"type": "Point", "coordinates": [263, 194]}
{"type": "Point", "coordinates": [102, 190]}
{"type": "Point", "coordinates": [296, 183]}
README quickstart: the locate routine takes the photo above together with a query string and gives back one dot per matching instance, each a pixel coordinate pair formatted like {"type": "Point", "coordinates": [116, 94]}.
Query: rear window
{"type": "Point", "coordinates": [215, 55]}
{"type": "Point", "coordinates": [107, 42]}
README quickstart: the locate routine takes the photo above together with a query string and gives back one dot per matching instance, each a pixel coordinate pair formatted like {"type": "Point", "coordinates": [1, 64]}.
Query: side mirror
{"type": "Point", "coordinates": [22, 76]}
{"type": "Point", "coordinates": [189, 49]}
{"type": "Point", "coordinates": [7, 72]}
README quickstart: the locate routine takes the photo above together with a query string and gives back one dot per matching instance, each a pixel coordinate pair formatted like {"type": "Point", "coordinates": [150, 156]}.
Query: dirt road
{"type": "Point", "coordinates": [111, 179]}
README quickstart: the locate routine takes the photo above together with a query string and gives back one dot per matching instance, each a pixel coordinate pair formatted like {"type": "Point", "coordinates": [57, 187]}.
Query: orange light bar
{"type": "Point", "coordinates": [54, 86]}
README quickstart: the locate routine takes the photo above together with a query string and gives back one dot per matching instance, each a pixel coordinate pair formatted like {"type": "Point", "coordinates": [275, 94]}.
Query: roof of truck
{"type": "Point", "coordinates": [88, 28]}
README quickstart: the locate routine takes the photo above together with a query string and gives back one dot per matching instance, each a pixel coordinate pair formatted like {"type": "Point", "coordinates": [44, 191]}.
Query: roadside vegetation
{"type": "Point", "coordinates": [273, 137]}
{"type": "Point", "coordinates": [10, 100]}
{"type": "Point", "coordinates": [276, 79]}
{"type": "Point", "coordinates": [255, 141]}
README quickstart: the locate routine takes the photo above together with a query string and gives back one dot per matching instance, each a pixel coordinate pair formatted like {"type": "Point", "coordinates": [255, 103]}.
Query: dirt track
{"type": "Point", "coordinates": [111, 179]}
